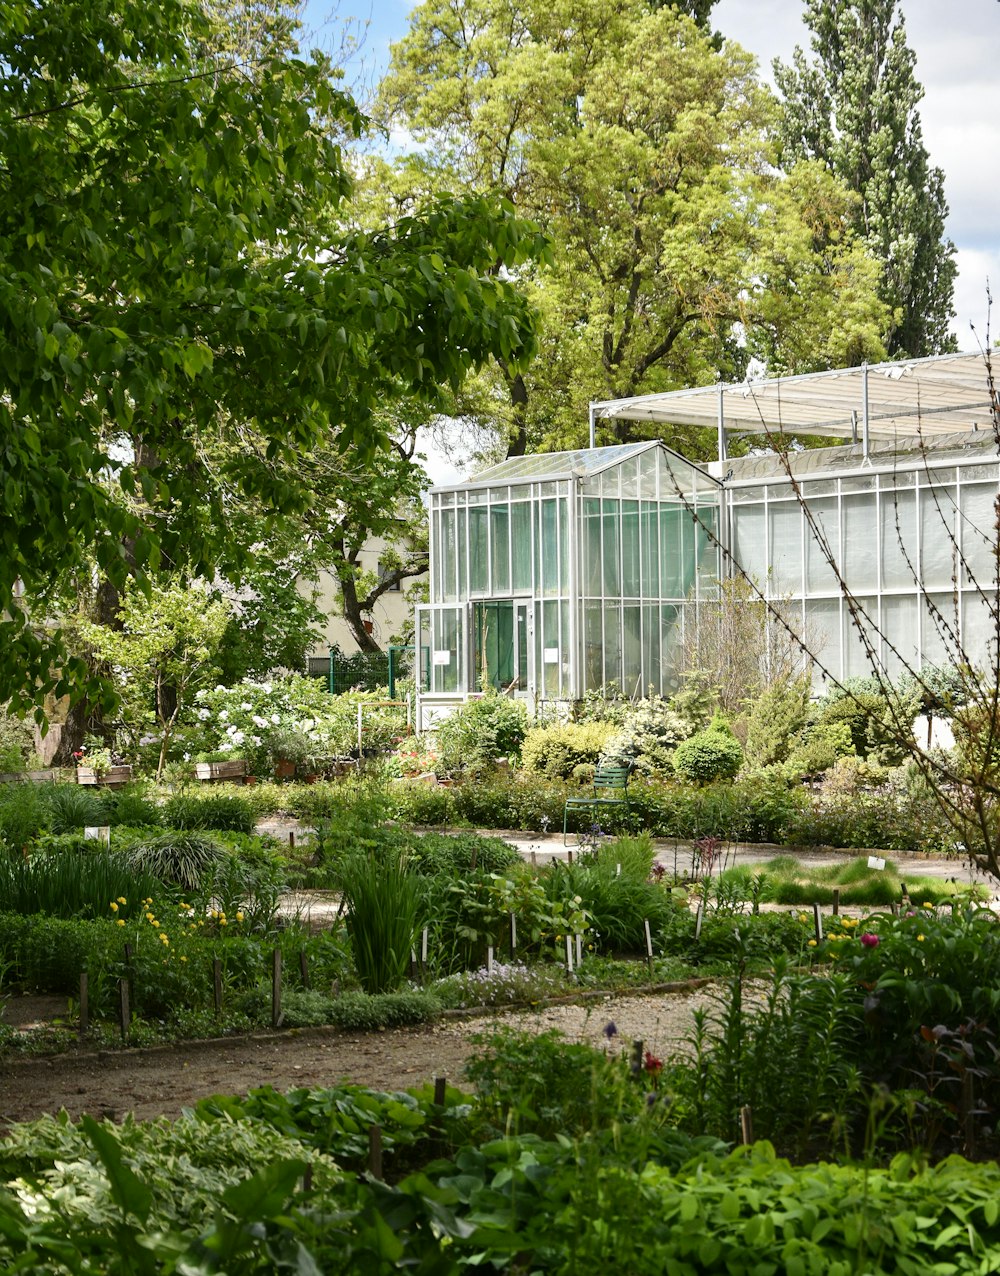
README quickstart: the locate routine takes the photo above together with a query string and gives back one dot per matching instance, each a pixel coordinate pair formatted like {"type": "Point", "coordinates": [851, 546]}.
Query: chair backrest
{"type": "Point", "coordinates": [611, 777]}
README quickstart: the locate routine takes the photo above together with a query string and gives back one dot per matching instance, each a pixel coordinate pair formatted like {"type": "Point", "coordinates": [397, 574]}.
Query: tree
{"type": "Point", "coordinates": [173, 259]}
{"type": "Point", "coordinates": [645, 154]}
{"type": "Point", "coordinates": [854, 107]}
{"type": "Point", "coordinates": [161, 652]}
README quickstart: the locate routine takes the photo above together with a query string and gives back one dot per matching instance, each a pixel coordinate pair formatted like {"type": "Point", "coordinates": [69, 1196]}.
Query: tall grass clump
{"type": "Point", "coordinates": [70, 807]}
{"type": "Point", "coordinates": [183, 859]}
{"type": "Point", "coordinates": [69, 885]}
{"type": "Point", "coordinates": [380, 900]}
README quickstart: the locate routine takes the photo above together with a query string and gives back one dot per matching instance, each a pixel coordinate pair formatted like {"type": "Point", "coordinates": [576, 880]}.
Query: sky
{"type": "Point", "coordinates": [956, 46]}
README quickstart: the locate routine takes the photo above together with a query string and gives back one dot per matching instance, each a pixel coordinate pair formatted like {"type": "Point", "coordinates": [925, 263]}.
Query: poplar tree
{"type": "Point", "coordinates": [854, 107]}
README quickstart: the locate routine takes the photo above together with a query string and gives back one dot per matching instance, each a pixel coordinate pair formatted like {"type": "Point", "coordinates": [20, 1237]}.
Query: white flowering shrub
{"type": "Point", "coordinates": [293, 718]}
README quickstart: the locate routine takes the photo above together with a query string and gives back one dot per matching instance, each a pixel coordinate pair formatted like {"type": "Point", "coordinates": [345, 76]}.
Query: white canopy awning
{"type": "Point", "coordinates": [944, 394]}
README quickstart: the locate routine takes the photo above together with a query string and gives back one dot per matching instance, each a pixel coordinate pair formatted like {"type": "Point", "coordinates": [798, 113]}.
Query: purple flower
{"type": "Point", "coordinates": [610, 1029]}
{"type": "Point", "coordinates": [869, 940]}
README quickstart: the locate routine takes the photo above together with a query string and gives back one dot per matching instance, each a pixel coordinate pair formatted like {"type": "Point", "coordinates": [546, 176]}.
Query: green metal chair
{"type": "Point", "coordinates": [607, 780]}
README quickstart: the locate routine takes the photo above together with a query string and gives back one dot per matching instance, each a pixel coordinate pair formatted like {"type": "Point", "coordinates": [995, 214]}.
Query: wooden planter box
{"type": "Point", "coordinates": [114, 779]}
{"type": "Point", "coordinates": [235, 770]}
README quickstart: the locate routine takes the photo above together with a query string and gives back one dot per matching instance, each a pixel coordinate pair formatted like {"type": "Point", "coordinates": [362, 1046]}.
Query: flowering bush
{"type": "Point", "coordinates": [415, 756]}
{"type": "Point", "coordinates": [292, 717]}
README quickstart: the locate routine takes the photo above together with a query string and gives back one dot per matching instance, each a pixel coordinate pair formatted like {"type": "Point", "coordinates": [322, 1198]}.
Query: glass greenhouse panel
{"type": "Point", "coordinates": [900, 549]}
{"type": "Point", "coordinates": [938, 527]}
{"type": "Point", "coordinates": [499, 549]}
{"type": "Point", "coordinates": [901, 627]}
{"type": "Point", "coordinates": [479, 559]}
{"type": "Point", "coordinates": [820, 576]}
{"type": "Point", "coordinates": [784, 525]}
{"type": "Point", "coordinates": [860, 562]}
{"type": "Point", "coordinates": [446, 664]}
{"type": "Point", "coordinates": [520, 539]}
{"type": "Point", "coordinates": [978, 531]}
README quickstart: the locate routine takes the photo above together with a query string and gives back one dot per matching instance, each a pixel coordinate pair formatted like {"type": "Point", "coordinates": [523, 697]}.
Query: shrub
{"type": "Point", "coordinates": [16, 742]}
{"type": "Point", "coordinates": [775, 718]}
{"type": "Point", "coordinates": [558, 750]}
{"type": "Point", "coordinates": [459, 853]}
{"type": "Point", "coordinates": [647, 739]}
{"type": "Point", "coordinates": [712, 754]}
{"type": "Point", "coordinates": [214, 811]}
{"type": "Point", "coordinates": [482, 731]}
{"type": "Point", "coordinates": [23, 814]}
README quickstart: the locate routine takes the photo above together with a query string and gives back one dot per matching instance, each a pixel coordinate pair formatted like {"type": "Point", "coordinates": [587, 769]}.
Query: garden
{"type": "Point", "coordinates": [842, 1055]}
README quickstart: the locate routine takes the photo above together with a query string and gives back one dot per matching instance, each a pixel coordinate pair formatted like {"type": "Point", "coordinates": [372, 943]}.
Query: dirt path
{"type": "Point", "coordinates": [160, 1082]}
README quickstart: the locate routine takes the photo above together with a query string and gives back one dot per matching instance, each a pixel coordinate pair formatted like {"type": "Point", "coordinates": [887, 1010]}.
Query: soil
{"type": "Point", "coordinates": [162, 1081]}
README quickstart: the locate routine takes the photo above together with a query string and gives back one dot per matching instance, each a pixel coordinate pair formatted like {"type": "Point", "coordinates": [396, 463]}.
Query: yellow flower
{"type": "Point", "coordinates": [154, 922]}
{"type": "Point", "coordinates": [121, 921]}
{"type": "Point", "coordinates": [222, 921]}
{"type": "Point", "coordinates": [122, 899]}
{"type": "Point", "coordinates": [164, 939]}
{"type": "Point", "coordinates": [920, 939]}
{"type": "Point", "coordinates": [149, 917]}
{"type": "Point", "coordinates": [928, 904]}
{"type": "Point", "coordinates": [812, 943]}
{"type": "Point", "coordinates": [183, 958]}
{"type": "Point", "coordinates": [239, 917]}
{"type": "Point", "coordinates": [114, 907]}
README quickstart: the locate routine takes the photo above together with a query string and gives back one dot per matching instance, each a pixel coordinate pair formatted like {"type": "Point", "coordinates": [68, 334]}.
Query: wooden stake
{"type": "Point", "coordinates": [818, 923]}
{"type": "Point", "coordinates": [649, 944]}
{"type": "Point", "coordinates": [123, 1008]}
{"type": "Point", "coordinates": [304, 967]}
{"type": "Point", "coordinates": [569, 857]}
{"type": "Point", "coordinates": [836, 901]}
{"type": "Point", "coordinates": [291, 839]}
{"type": "Point", "coordinates": [746, 1124]}
{"type": "Point", "coordinates": [439, 1091]}
{"type": "Point", "coordinates": [489, 959]}
{"type": "Point", "coordinates": [513, 934]}
{"type": "Point", "coordinates": [375, 1151]}
{"type": "Point", "coordinates": [276, 1013]}
{"type": "Point", "coordinates": [635, 1062]}
{"type": "Point", "coordinates": [84, 1005]}
{"type": "Point", "coordinates": [698, 919]}
{"type": "Point", "coordinates": [423, 947]}
{"type": "Point", "coordinates": [579, 949]}
{"type": "Point", "coordinates": [217, 984]}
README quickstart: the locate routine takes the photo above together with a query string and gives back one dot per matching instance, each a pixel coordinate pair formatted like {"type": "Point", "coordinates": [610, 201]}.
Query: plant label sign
{"type": "Point", "coordinates": [98, 833]}
{"type": "Point", "coordinates": [874, 861]}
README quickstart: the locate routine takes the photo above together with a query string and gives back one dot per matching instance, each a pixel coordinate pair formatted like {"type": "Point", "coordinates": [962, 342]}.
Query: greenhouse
{"type": "Point", "coordinates": [556, 574]}
{"type": "Point", "coordinates": [561, 573]}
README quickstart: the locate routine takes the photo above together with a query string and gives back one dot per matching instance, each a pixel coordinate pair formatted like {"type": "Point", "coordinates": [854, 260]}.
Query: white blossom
{"type": "Point", "coordinates": [258, 721]}
{"type": "Point", "coordinates": [204, 713]}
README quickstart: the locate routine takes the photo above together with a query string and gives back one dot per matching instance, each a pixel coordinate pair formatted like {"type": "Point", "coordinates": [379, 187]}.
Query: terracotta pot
{"type": "Point", "coordinates": [284, 770]}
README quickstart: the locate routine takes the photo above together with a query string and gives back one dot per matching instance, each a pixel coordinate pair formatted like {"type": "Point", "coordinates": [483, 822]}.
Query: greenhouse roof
{"type": "Point", "coordinates": [943, 394]}
{"type": "Point", "coordinates": [549, 466]}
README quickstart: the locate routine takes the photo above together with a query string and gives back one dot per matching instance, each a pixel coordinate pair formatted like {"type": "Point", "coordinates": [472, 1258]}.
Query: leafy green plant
{"type": "Point", "coordinates": [23, 814]}
{"type": "Point", "coordinates": [480, 732]}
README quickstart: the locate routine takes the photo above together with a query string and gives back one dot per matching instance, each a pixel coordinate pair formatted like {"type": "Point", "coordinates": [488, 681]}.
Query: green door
{"type": "Point", "coordinates": [500, 628]}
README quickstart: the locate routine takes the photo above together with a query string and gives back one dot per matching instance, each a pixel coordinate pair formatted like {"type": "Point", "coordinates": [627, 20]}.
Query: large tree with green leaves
{"type": "Point", "coordinates": [678, 251]}
{"type": "Point", "coordinates": [854, 107]}
{"type": "Point", "coordinates": [174, 258]}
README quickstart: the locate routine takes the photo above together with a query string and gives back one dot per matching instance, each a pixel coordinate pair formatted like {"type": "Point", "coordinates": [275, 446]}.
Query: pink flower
{"type": "Point", "coordinates": [869, 940]}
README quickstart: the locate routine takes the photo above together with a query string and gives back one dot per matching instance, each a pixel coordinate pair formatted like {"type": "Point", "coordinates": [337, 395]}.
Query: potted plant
{"type": "Point", "coordinates": [95, 764]}
{"type": "Point", "coordinates": [290, 749]}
